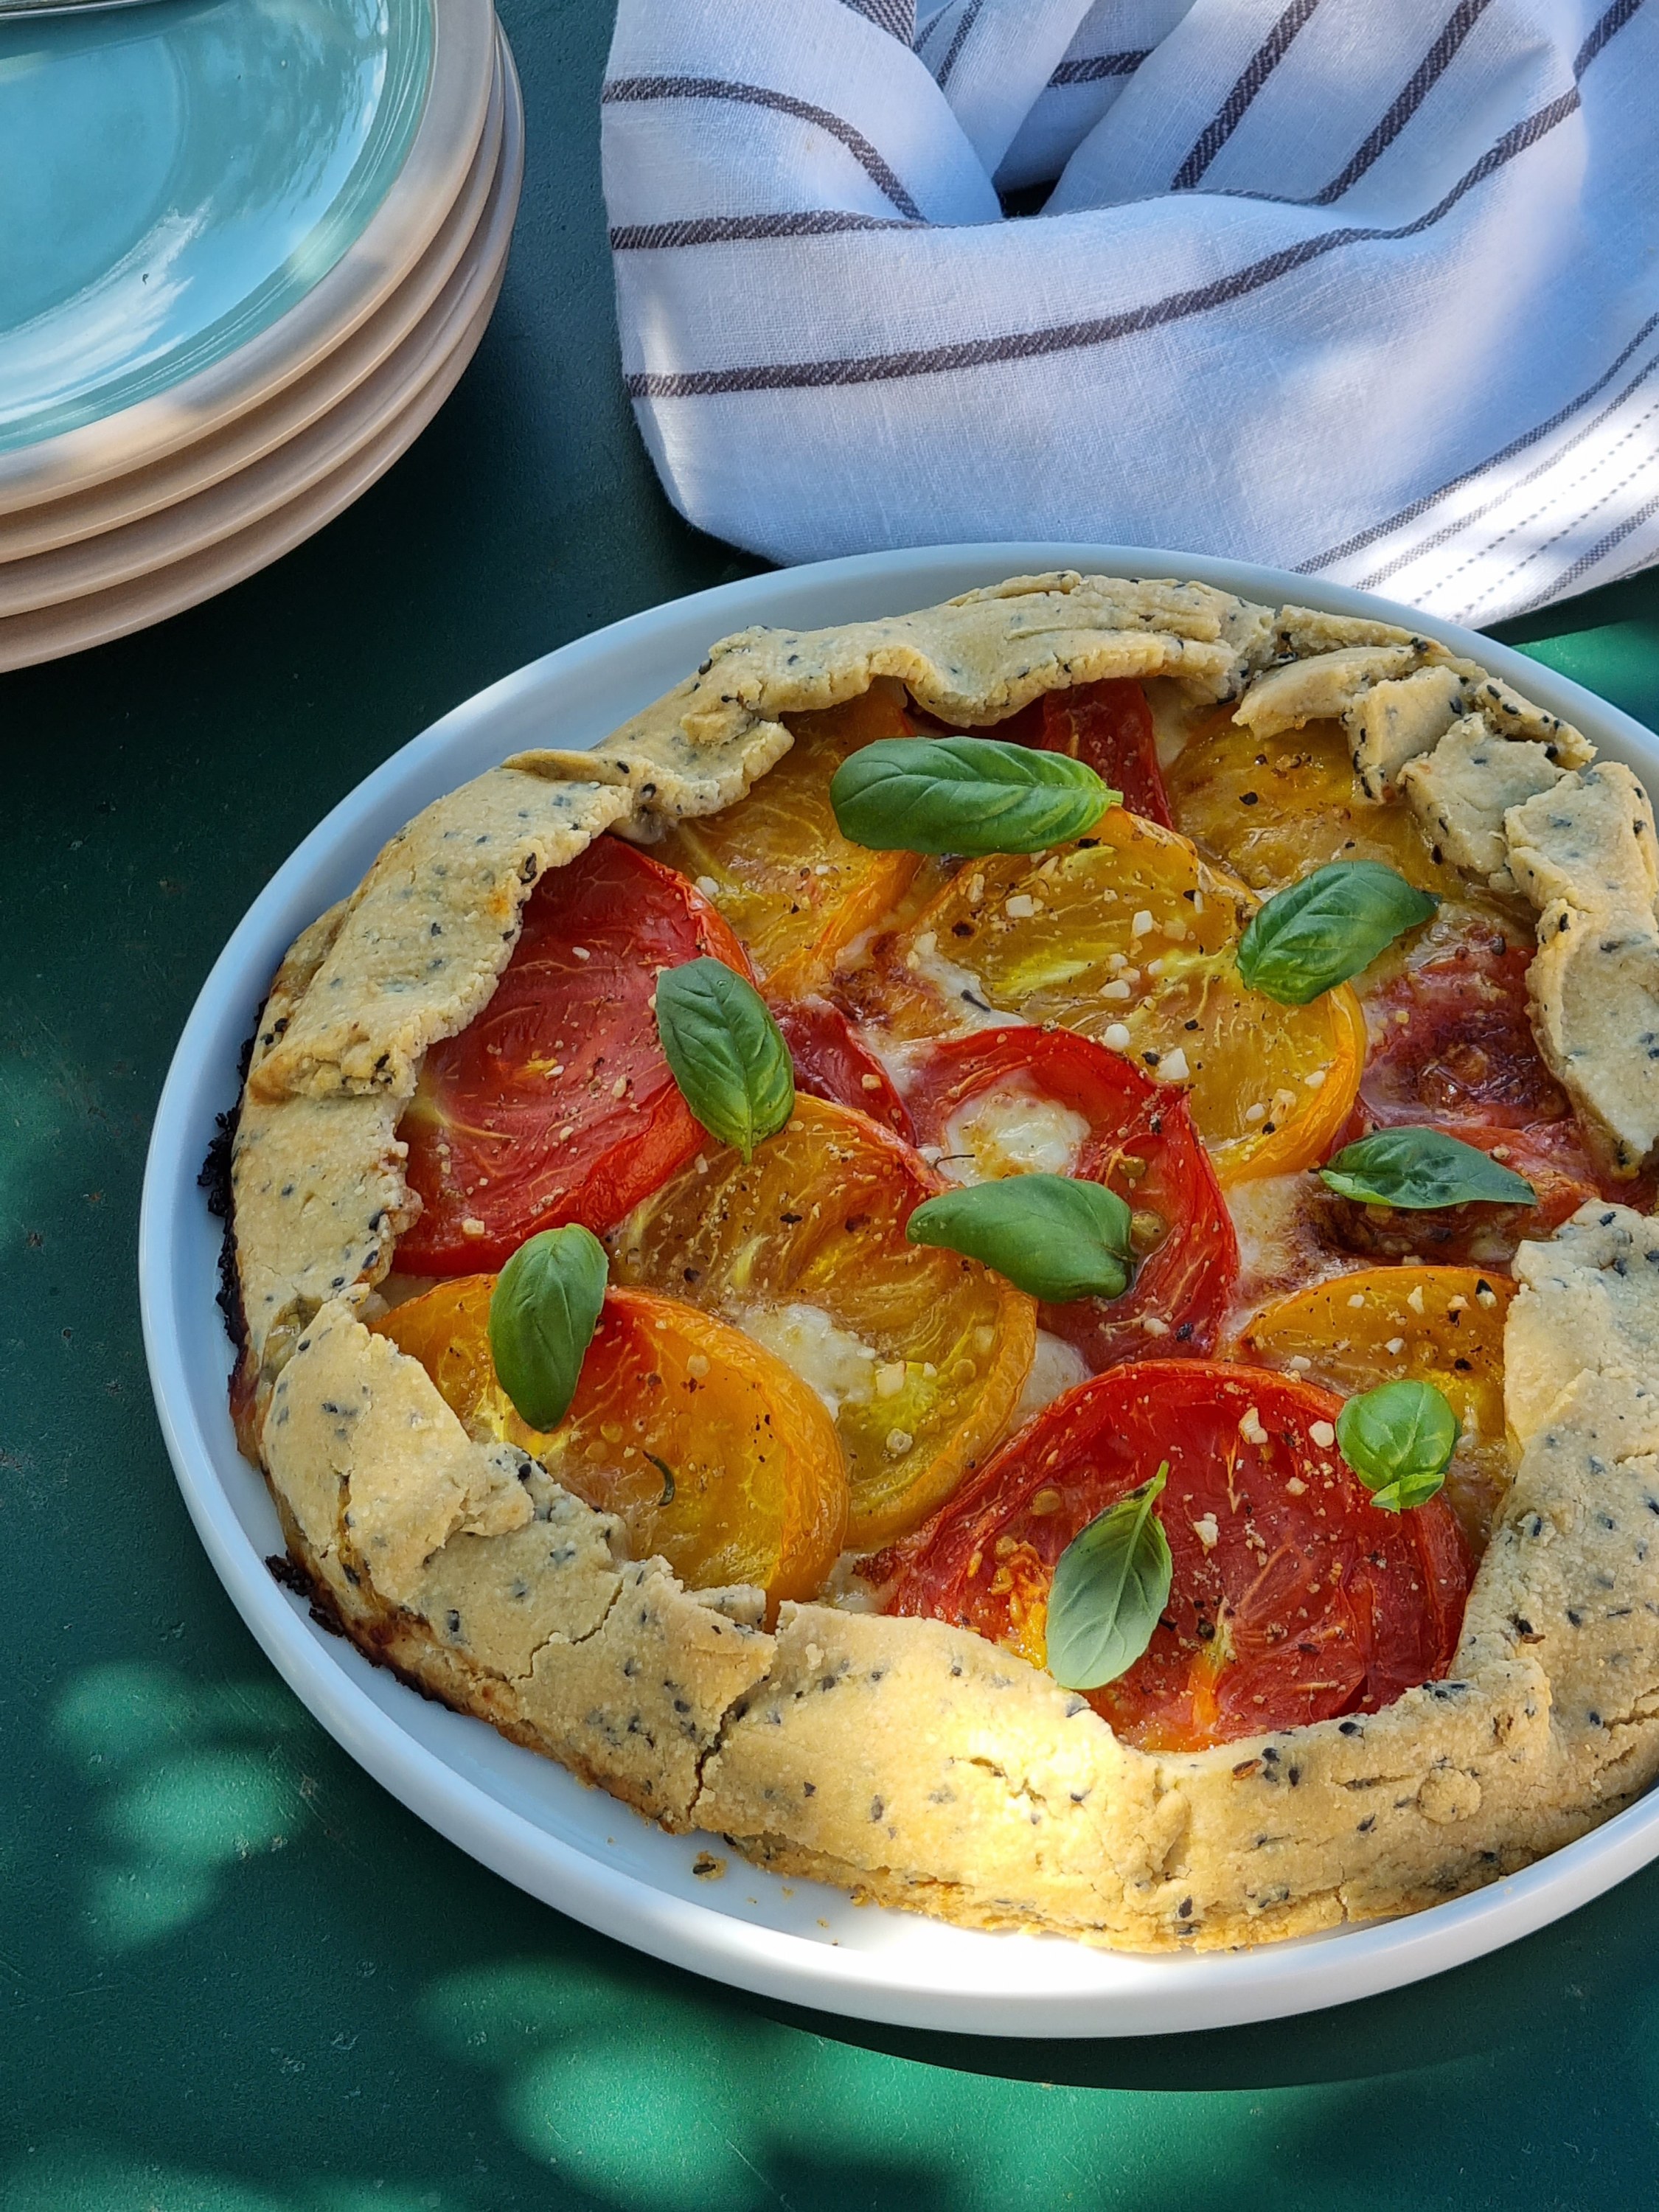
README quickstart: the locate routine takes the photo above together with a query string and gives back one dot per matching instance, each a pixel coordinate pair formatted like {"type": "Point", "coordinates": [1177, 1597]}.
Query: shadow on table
{"type": "Point", "coordinates": [644, 2086]}
{"type": "Point", "coordinates": [193, 1779]}
{"type": "Point", "coordinates": [190, 1779]}
{"type": "Point", "coordinates": [85, 2173]}
{"type": "Point", "coordinates": [1598, 1964]}
{"type": "Point", "coordinates": [501, 2055]}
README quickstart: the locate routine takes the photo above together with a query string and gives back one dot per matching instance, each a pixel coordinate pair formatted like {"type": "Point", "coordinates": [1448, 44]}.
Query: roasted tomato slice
{"type": "Point", "coordinates": [775, 865]}
{"type": "Point", "coordinates": [1451, 1040]}
{"type": "Point", "coordinates": [1272, 808]}
{"type": "Point", "coordinates": [709, 1451]}
{"type": "Point", "coordinates": [1008, 1101]}
{"type": "Point", "coordinates": [1129, 938]}
{"type": "Point", "coordinates": [557, 1103]}
{"type": "Point", "coordinates": [1294, 1598]}
{"type": "Point", "coordinates": [1550, 1154]}
{"type": "Point", "coordinates": [832, 1061]}
{"type": "Point", "coordinates": [1452, 1047]}
{"type": "Point", "coordinates": [1109, 727]}
{"type": "Point", "coordinates": [920, 1354]}
{"type": "Point", "coordinates": [1440, 1325]}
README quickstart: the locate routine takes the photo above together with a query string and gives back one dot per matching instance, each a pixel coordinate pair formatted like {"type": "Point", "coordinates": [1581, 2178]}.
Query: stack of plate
{"type": "Point", "coordinates": [247, 249]}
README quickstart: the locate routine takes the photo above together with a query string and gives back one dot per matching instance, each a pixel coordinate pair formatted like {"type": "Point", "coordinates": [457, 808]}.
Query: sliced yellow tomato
{"type": "Point", "coordinates": [710, 1451]}
{"type": "Point", "coordinates": [775, 865]}
{"type": "Point", "coordinates": [920, 1353]}
{"type": "Point", "coordinates": [1273, 809]}
{"type": "Point", "coordinates": [1440, 1325]}
{"type": "Point", "coordinates": [1130, 937]}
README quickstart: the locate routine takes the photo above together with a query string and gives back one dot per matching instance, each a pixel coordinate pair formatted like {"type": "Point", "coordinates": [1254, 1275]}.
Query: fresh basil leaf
{"type": "Point", "coordinates": [1053, 1235]}
{"type": "Point", "coordinates": [543, 1313]}
{"type": "Point", "coordinates": [1110, 1585]}
{"type": "Point", "coordinates": [1399, 1440]}
{"type": "Point", "coordinates": [967, 795]}
{"type": "Point", "coordinates": [1318, 932]}
{"type": "Point", "coordinates": [727, 1053]}
{"type": "Point", "coordinates": [1423, 1167]}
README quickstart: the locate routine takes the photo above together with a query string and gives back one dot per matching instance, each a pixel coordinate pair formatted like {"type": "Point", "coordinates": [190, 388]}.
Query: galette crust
{"type": "Point", "coordinates": [1462, 790]}
{"type": "Point", "coordinates": [415, 952]}
{"type": "Point", "coordinates": [906, 1759]}
{"type": "Point", "coordinates": [1395, 722]}
{"type": "Point", "coordinates": [1584, 852]}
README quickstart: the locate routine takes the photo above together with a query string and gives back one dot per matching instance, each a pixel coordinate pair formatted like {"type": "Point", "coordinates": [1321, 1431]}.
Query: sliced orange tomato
{"type": "Point", "coordinates": [1293, 1597]}
{"type": "Point", "coordinates": [1273, 809]}
{"type": "Point", "coordinates": [1129, 937]}
{"type": "Point", "coordinates": [776, 867]}
{"type": "Point", "coordinates": [709, 1451]}
{"type": "Point", "coordinates": [921, 1354]}
{"type": "Point", "coordinates": [1438, 1325]}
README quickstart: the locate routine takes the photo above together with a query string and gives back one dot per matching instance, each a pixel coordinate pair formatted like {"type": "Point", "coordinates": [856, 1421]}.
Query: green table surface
{"type": "Point", "coordinates": [235, 1976]}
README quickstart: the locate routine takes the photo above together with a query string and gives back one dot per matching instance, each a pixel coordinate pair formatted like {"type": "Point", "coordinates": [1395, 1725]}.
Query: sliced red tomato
{"type": "Point", "coordinates": [1294, 1598]}
{"type": "Point", "coordinates": [832, 1061]}
{"type": "Point", "coordinates": [1008, 1100]}
{"type": "Point", "coordinates": [557, 1103]}
{"type": "Point", "coordinates": [1108, 726]}
{"type": "Point", "coordinates": [1452, 1041]}
{"type": "Point", "coordinates": [1551, 1156]}
{"type": "Point", "coordinates": [1451, 1047]}
{"type": "Point", "coordinates": [1131, 938]}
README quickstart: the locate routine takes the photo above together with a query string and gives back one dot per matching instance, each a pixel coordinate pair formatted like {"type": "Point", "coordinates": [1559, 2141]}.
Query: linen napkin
{"type": "Point", "coordinates": [1365, 289]}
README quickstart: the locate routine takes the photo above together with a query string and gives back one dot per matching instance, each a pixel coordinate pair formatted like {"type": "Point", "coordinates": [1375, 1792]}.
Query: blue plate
{"type": "Point", "coordinates": [176, 178]}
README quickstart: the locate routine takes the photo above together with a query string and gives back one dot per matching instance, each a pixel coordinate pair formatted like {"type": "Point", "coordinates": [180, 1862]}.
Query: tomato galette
{"type": "Point", "coordinates": [1004, 1256]}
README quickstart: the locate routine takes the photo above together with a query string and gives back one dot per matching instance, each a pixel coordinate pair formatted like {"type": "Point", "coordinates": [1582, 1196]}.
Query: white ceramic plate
{"type": "Point", "coordinates": [576, 1848]}
{"type": "Point", "coordinates": [315, 477]}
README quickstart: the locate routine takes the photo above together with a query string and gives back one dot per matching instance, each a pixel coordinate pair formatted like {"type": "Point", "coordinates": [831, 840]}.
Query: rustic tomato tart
{"type": "Point", "coordinates": [1003, 1254]}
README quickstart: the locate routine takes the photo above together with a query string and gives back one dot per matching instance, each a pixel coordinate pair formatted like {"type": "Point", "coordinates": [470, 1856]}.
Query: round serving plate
{"type": "Point", "coordinates": [200, 199]}
{"type": "Point", "coordinates": [452, 333]}
{"type": "Point", "coordinates": [48, 525]}
{"type": "Point", "coordinates": [10, 12]}
{"type": "Point", "coordinates": [577, 1848]}
{"type": "Point", "coordinates": [189, 525]}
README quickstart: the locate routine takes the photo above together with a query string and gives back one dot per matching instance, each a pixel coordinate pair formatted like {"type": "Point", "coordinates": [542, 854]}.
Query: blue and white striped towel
{"type": "Point", "coordinates": [1367, 289]}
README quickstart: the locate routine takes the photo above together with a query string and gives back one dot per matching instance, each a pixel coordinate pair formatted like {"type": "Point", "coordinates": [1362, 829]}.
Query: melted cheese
{"type": "Point", "coordinates": [1279, 1247]}
{"type": "Point", "coordinates": [846, 1589]}
{"type": "Point", "coordinates": [1011, 1129]}
{"type": "Point", "coordinates": [830, 1360]}
{"type": "Point", "coordinates": [958, 987]}
{"type": "Point", "coordinates": [1056, 1366]}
